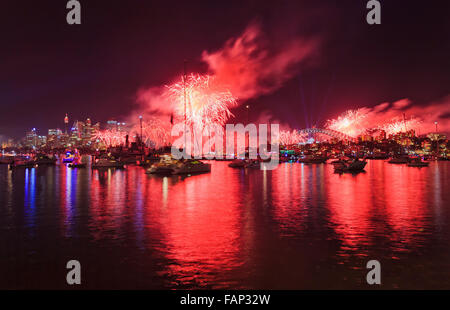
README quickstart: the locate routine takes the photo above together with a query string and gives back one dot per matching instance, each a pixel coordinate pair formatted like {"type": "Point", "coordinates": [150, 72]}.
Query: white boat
{"type": "Point", "coordinates": [166, 165]}
{"type": "Point", "coordinates": [169, 165]}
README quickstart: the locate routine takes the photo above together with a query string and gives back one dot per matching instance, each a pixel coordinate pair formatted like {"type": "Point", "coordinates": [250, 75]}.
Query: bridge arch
{"type": "Point", "coordinates": [329, 132]}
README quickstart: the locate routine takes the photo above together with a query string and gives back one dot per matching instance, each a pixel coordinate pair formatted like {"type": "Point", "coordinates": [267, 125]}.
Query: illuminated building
{"type": "Point", "coordinates": [54, 138]}
{"type": "Point", "coordinates": [82, 133]}
{"type": "Point", "coordinates": [365, 138]}
{"type": "Point", "coordinates": [381, 136]}
{"type": "Point", "coordinates": [31, 138]}
{"type": "Point", "coordinates": [66, 122]}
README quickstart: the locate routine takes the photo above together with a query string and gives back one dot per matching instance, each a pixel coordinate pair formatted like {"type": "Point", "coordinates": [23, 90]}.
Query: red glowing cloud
{"type": "Point", "coordinates": [246, 67]}
{"type": "Point", "coordinates": [250, 67]}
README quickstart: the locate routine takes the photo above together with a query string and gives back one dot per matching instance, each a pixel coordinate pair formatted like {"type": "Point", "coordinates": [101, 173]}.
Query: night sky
{"type": "Point", "coordinates": [95, 69]}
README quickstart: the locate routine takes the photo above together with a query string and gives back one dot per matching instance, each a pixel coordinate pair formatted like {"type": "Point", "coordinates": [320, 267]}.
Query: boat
{"type": "Point", "coordinates": [354, 166]}
{"type": "Point", "coordinates": [190, 166]}
{"type": "Point", "coordinates": [253, 164]}
{"type": "Point", "coordinates": [23, 162]}
{"type": "Point", "coordinates": [149, 160]}
{"type": "Point", "coordinates": [312, 159]}
{"type": "Point", "coordinates": [417, 162]}
{"type": "Point", "coordinates": [378, 155]}
{"type": "Point", "coordinates": [7, 160]}
{"type": "Point", "coordinates": [43, 159]}
{"type": "Point", "coordinates": [106, 162]}
{"type": "Point", "coordinates": [76, 165]}
{"type": "Point", "coordinates": [166, 165]}
{"type": "Point", "coordinates": [224, 157]}
{"type": "Point", "coordinates": [399, 160]}
{"type": "Point", "coordinates": [238, 163]}
{"type": "Point", "coordinates": [341, 161]}
{"type": "Point", "coordinates": [68, 158]}
{"type": "Point", "coordinates": [130, 159]}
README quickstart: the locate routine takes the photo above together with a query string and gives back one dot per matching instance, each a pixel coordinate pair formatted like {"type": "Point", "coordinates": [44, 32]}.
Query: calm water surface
{"type": "Point", "coordinates": [297, 227]}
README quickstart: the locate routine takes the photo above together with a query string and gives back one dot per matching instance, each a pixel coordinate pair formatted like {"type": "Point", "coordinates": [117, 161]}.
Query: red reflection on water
{"type": "Point", "coordinates": [67, 207]}
{"type": "Point", "coordinates": [350, 204]}
{"type": "Point", "coordinates": [200, 225]}
{"type": "Point", "coordinates": [387, 201]}
{"type": "Point", "coordinates": [405, 203]}
{"type": "Point", "coordinates": [290, 191]}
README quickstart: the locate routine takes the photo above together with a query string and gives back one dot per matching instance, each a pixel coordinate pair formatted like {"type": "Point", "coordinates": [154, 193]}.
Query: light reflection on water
{"type": "Point", "coordinates": [297, 227]}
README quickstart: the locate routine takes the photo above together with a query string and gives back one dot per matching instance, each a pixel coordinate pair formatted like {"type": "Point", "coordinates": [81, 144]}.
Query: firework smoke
{"type": "Point", "coordinates": [251, 68]}
{"type": "Point", "coordinates": [246, 67]}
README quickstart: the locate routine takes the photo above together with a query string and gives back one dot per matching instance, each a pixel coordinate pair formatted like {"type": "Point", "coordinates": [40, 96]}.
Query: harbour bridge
{"type": "Point", "coordinates": [329, 132]}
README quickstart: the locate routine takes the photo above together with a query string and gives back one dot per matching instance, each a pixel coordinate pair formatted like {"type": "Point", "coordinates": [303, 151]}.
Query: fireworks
{"type": "Point", "coordinates": [350, 123]}
{"type": "Point", "coordinates": [292, 137]}
{"type": "Point", "coordinates": [367, 121]}
{"type": "Point", "coordinates": [154, 131]}
{"type": "Point", "coordinates": [396, 125]}
{"type": "Point", "coordinates": [110, 137]}
{"type": "Point", "coordinates": [208, 102]}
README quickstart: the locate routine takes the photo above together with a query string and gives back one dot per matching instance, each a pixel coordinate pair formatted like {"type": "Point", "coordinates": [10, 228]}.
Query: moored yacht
{"type": "Point", "coordinates": [238, 163]}
{"type": "Point", "coordinates": [417, 162]}
{"type": "Point", "coordinates": [399, 160]}
{"type": "Point", "coordinates": [7, 160]}
{"type": "Point", "coordinates": [23, 162]}
{"type": "Point", "coordinates": [42, 159]}
{"type": "Point", "coordinates": [313, 159]}
{"type": "Point", "coordinates": [106, 162]}
{"type": "Point", "coordinates": [166, 165]}
{"type": "Point", "coordinates": [190, 166]}
{"type": "Point", "coordinates": [353, 166]}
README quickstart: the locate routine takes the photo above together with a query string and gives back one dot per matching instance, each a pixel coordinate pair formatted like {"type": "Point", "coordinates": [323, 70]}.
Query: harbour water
{"type": "Point", "coordinates": [297, 227]}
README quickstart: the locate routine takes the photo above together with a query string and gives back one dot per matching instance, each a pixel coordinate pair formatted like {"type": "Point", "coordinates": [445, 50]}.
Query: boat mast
{"type": "Point", "coordinates": [185, 111]}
